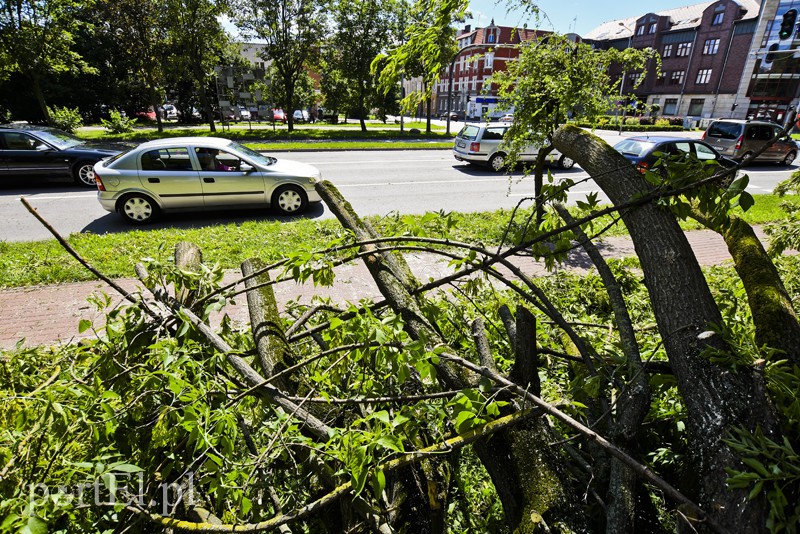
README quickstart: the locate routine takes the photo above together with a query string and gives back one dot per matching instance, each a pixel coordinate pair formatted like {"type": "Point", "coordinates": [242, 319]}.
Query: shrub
{"type": "Point", "coordinates": [646, 121]}
{"type": "Point", "coordinates": [65, 119]}
{"type": "Point", "coordinates": [117, 123]}
{"type": "Point", "coordinates": [632, 121]}
{"type": "Point", "coordinates": [662, 122]}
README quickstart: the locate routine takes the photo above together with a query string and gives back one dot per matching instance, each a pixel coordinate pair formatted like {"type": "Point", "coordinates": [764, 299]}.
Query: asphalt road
{"type": "Point", "coordinates": [375, 183]}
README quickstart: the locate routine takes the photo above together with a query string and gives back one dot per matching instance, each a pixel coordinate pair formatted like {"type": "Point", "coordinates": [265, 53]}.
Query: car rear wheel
{"type": "Point", "coordinates": [497, 162]}
{"type": "Point", "coordinates": [566, 163]}
{"type": "Point", "coordinates": [83, 173]}
{"type": "Point", "coordinates": [789, 158]}
{"type": "Point", "coordinates": [138, 209]}
{"type": "Point", "coordinates": [290, 200]}
{"type": "Point", "coordinates": [746, 158]}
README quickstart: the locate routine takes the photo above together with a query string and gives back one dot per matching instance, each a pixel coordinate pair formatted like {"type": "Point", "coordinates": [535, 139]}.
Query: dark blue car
{"type": "Point", "coordinates": [642, 150]}
{"type": "Point", "coordinates": [43, 151]}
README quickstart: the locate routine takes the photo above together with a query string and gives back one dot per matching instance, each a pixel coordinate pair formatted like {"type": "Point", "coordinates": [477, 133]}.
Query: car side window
{"type": "Point", "coordinates": [167, 159]}
{"type": "Point", "coordinates": [20, 141]}
{"type": "Point", "coordinates": [682, 149]}
{"type": "Point", "coordinates": [494, 134]}
{"type": "Point", "coordinates": [703, 152]}
{"type": "Point", "coordinates": [217, 160]}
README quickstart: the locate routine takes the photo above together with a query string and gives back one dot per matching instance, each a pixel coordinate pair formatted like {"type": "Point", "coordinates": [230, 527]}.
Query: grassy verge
{"type": "Point", "coordinates": [45, 262]}
{"type": "Point", "coordinates": [266, 132]}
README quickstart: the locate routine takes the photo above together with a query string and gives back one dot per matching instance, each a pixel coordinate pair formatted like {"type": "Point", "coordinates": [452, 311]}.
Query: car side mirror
{"type": "Point", "coordinates": [244, 167]}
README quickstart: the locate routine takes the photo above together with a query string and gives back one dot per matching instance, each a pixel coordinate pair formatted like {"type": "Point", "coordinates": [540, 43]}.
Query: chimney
{"type": "Point", "coordinates": [467, 28]}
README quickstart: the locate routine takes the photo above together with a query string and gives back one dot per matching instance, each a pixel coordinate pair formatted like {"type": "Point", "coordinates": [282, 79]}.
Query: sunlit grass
{"type": "Point", "coordinates": [45, 262]}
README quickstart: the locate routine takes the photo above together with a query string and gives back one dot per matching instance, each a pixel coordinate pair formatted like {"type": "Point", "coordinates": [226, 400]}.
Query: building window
{"type": "Point", "coordinates": [667, 51]}
{"type": "Point", "coordinates": [711, 47]}
{"type": "Point", "coordinates": [703, 76]}
{"type": "Point", "coordinates": [640, 30]}
{"type": "Point", "coordinates": [684, 49]}
{"type": "Point", "coordinates": [634, 77]}
{"type": "Point", "coordinates": [491, 38]}
{"type": "Point", "coordinates": [718, 18]}
{"type": "Point", "coordinates": [676, 78]}
{"type": "Point", "coordinates": [696, 106]}
{"type": "Point", "coordinates": [489, 61]}
{"type": "Point", "coordinates": [652, 28]}
{"type": "Point", "coordinates": [670, 106]}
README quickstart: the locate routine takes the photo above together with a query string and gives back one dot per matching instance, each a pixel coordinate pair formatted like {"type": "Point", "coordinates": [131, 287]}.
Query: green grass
{"type": "Point", "coordinates": [304, 137]}
{"type": "Point", "coordinates": [45, 262]}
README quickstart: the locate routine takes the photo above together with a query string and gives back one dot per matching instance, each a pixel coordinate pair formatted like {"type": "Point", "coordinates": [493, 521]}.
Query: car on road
{"type": "Point", "coordinates": [300, 115]}
{"type": "Point", "coordinates": [453, 116]}
{"type": "Point", "coordinates": [645, 151]}
{"type": "Point", "coordinates": [42, 151]}
{"type": "Point", "coordinates": [740, 139]}
{"type": "Point", "coordinates": [196, 173]}
{"type": "Point", "coordinates": [508, 117]}
{"type": "Point", "coordinates": [482, 144]}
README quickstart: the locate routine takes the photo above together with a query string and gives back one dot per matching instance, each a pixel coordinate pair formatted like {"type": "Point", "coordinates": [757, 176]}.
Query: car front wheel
{"type": "Point", "coordinates": [138, 209]}
{"type": "Point", "coordinates": [566, 163]}
{"type": "Point", "coordinates": [789, 158]}
{"type": "Point", "coordinates": [83, 173]}
{"type": "Point", "coordinates": [289, 200]}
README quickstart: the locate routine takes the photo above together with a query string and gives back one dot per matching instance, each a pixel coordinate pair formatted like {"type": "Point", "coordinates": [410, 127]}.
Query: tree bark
{"type": "Point", "coordinates": [716, 398]}
{"type": "Point", "coordinates": [773, 315]}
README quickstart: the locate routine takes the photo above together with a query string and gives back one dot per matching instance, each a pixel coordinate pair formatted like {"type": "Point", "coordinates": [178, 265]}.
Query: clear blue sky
{"type": "Point", "coordinates": [578, 16]}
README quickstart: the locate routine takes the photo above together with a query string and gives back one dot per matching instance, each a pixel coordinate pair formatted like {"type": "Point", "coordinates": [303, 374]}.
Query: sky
{"type": "Point", "coordinates": [569, 16]}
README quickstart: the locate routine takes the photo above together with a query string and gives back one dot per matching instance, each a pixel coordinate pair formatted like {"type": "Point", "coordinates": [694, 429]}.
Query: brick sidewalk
{"type": "Point", "coordinates": [50, 314]}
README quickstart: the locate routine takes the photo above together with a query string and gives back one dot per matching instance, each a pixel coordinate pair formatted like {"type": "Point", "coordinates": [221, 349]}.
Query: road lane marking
{"type": "Point", "coordinates": [381, 161]}
{"type": "Point", "coordinates": [418, 182]}
{"type": "Point", "coordinates": [60, 197]}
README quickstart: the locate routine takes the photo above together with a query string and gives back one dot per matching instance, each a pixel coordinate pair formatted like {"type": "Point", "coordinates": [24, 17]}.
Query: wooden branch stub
{"type": "Point", "coordinates": [525, 371]}
{"type": "Point", "coordinates": [274, 352]}
{"type": "Point", "coordinates": [188, 257]}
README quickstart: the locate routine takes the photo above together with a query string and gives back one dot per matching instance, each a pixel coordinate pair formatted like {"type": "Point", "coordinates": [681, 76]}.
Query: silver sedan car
{"type": "Point", "coordinates": [195, 173]}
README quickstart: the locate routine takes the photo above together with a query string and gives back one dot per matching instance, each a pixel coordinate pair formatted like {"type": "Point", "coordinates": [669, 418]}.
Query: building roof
{"type": "Point", "coordinates": [682, 18]}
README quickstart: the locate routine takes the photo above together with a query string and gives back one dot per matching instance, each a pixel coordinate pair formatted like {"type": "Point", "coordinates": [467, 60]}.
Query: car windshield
{"type": "Point", "coordinates": [59, 139]}
{"type": "Point", "coordinates": [261, 159]}
{"type": "Point", "coordinates": [469, 132]}
{"type": "Point", "coordinates": [630, 147]}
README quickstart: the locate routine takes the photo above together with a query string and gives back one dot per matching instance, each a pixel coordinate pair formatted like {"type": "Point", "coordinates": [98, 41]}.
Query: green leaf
{"type": "Point", "coordinates": [378, 482]}
{"type": "Point", "coordinates": [757, 466]}
{"type": "Point", "coordinates": [756, 490]}
{"type": "Point", "coordinates": [746, 201]}
{"type": "Point", "coordinates": [35, 525]}
{"type": "Point", "coordinates": [84, 325]}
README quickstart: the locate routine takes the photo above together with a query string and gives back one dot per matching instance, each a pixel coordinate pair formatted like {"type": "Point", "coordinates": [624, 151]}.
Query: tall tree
{"type": "Point", "coordinates": [361, 31]}
{"type": "Point", "coordinates": [427, 45]}
{"type": "Point", "coordinates": [291, 31]}
{"type": "Point", "coordinates": [139, 29]}
{"type": "Point", "coordinates": [199, 40]}
{"type": "Point", "coordinates": [36, 40]}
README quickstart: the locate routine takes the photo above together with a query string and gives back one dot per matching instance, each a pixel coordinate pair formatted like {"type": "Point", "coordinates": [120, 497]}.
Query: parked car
{"type": "Point", "coordinates": [483, 145]}
{"type": "Point", "coordinates": [300, 115]}
{"type": "Point", "coordinates": [453, 116]}
{"type": "Point", "coordinates": [43, 151]}
{"type": "Point", "coordinates": [508, 117]}
{"type": "Point", "coordinates": [195, 173]}
{"type": "Point", "coordinates": [243, 113]}
{"type": "Point", "coordinates": [645, 151]}
{"type": "Point", "coordinates": [170, 112]}
{"type": "Point", "coordinates": [740, 139]}
{"type": "Point", "coordinates": [278, 115]}
{"type": "Point", "coordinates": [148, 114]}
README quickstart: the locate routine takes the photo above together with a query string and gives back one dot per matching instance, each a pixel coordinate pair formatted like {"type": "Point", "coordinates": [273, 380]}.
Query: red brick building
{"type": "Point", "coordinates": [704, 50]}
{"type": "Point", "coordinates": [482, 52]}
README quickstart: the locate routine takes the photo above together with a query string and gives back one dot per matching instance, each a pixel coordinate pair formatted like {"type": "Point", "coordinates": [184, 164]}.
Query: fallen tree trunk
{"type": "Point", "coordinates": [717, 399]}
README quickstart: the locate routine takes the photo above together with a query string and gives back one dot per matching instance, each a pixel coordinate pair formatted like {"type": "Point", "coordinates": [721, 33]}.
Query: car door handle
{"type": "Point", "coordinates": [208, 180]}
{"type": "Point", "coordinates": [154, 180]}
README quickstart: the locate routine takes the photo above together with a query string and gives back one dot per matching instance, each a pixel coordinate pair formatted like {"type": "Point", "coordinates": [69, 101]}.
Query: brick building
{"type": "Point", "coordinates": [704, 50]}
{"type": "Point", "coordinates": [482, 51]}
